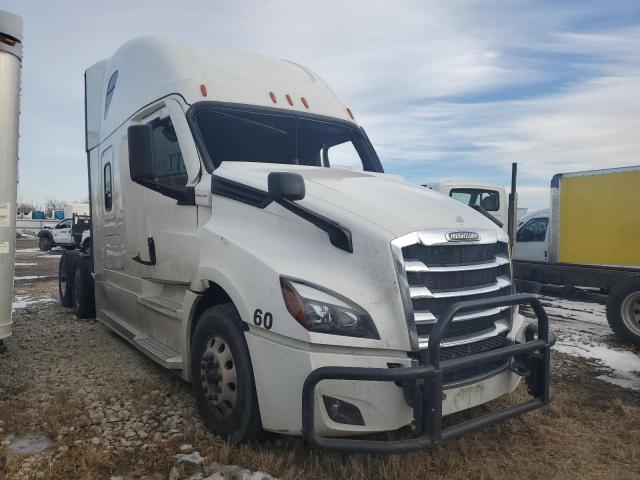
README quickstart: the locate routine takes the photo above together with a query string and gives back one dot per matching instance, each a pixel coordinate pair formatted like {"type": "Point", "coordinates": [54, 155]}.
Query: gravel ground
{"type": "Point", "coordinates": [76, 401]}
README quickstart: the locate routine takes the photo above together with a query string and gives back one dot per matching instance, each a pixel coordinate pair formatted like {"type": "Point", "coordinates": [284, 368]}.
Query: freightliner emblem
{"type": "Point", "coordinates": [462, 236]}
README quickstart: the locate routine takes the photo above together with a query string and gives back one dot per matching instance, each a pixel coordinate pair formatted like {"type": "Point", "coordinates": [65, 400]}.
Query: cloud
{"type": "Point", "coordinates": [444, 89]}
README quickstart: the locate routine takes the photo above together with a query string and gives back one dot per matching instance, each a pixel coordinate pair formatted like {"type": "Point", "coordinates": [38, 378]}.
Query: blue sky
{"type": "Point", "coordinates": [446, 90]}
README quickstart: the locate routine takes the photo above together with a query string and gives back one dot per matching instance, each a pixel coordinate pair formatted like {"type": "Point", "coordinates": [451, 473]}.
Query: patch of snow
{"type": "Point", "coordinates": [27, 250]}
{"type": "Point", "coordinates": [23, 301]}
{"type": "Point", "coordinates": [29, 444]}
{"type": "Point", "coordinates": [582, 330]}
{"type": "Point", "coordinates": [33, 277]}
{"type": "Point", "coordinates": [234, 471]}
{"type": "Point", "coordinates": [23, 264]}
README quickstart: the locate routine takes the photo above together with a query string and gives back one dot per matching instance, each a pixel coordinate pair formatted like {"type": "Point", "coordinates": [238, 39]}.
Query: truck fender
{"type": "Point", "coordinates": [207, 280]}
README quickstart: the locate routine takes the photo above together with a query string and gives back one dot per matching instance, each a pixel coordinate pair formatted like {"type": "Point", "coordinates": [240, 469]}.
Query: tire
{"type": "Point", "coordinates": [86, 247]}
{"type": "Point", "coordinates": [84, 302]}
{"type": "Point", "coordinates": [45, 243]}
{"type": "Point", "coordinates": [222, 376]}
{"type": "Point", "coordinates": [66, 271]}
{"type": "Point", "coordinates": [623, 310]}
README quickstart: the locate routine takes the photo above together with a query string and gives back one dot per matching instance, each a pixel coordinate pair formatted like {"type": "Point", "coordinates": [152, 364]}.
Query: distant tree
{"type": "Point", "coordinates": [25, 207]}
{"type": "Point", "coordinates": [51, 205]}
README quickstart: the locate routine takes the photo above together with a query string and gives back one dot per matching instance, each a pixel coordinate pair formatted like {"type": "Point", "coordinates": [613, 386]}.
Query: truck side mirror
{"type": "Point", "coordinates": [140, 152]}
{"type": "Point", "coordinates": [285, 185]}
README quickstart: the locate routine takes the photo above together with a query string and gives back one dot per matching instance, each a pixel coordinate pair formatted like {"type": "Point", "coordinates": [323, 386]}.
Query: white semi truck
{"type": "Point", "coordinates": [245, 236]}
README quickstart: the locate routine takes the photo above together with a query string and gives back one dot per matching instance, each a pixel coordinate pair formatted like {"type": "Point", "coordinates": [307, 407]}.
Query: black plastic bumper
{"type": "Point", "coordinates": [427, 382]}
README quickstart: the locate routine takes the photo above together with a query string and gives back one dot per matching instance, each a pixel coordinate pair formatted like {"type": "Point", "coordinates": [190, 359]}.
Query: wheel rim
{"type": "Point", "coordinates": [631, 312]}
{"type": "Point", "coordinates": [76, 290]}
{"type": "Point", "coordinates": [218, 376]}
{"type": "Point", "coordinates": [63, 279]}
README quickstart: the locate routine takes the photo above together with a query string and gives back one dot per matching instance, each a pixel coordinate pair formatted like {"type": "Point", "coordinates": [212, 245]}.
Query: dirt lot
{"type": "Point", "coordinates": [78, 402]}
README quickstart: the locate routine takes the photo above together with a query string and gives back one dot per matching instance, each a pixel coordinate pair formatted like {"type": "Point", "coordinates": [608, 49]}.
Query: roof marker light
{"type": "Point", "coordinates": [6, 39]}
{"type": "Point", "coordinates": [350, 114]}
{"type": "Point", "coordinates": [203, 89]}
{"type": "Point", "coordinates": [304, 102]}
{"type": "Point", "coordinates": [289, 99]}
{"type": "Point", "coordinates": [273, 97]}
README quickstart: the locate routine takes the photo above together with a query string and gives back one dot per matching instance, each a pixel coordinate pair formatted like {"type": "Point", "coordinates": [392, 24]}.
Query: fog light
{"type": "Point", "coordinates": [342, 412]}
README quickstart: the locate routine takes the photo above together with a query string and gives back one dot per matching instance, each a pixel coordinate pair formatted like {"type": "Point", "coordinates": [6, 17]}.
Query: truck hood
{"type": "Point", "coordinates": [383, 199]}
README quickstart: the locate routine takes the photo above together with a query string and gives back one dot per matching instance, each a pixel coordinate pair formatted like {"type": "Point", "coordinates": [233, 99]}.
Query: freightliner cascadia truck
{"type": "Point", "coordinates": [245, 236]}
{"type": "Point", "coordinates": [589, 238]}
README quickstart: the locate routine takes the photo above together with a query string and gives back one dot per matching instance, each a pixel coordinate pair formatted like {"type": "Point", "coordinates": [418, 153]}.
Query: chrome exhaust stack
{"type": "Point", "coordinates": [10, 66]}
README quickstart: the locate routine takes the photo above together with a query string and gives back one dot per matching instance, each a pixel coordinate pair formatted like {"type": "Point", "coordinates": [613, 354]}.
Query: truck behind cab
{"type": "Point", "coordinates": [491, 200]}
{"type": "Point", "coordinates": [589, 238]}
{"type": "Point", "coordinates": [245, 236]}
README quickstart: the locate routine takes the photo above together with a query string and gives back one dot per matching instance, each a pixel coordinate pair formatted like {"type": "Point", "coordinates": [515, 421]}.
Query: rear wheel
{"type": "Point", "coordinates": [623, 310]}
{"type": "Point", "coordinates": [84, 303]}
{"type": "Point", "coordinates": [66, 272]}
{"type": "Point", "coordinates": [45, 243]}
{"type": "Point", "coordinates": [222, 376]}
{"type": "Point", "coordinates": [86, 247]}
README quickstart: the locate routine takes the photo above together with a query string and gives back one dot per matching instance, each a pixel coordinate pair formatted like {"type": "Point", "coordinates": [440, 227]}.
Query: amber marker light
{"type": "Point", "coordinates": [304, 102]}
{"type": "Point", "coordinates": [8, 40]}
{"type": "Point", "coordinates": [203, 89]}
{"type": "Point", "coordinates": [273, 97]}
{"type": "Point", "coordinates": [289, 99]}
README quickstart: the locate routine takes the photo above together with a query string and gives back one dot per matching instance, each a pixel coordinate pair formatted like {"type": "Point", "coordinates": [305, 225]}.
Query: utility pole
{"type": "Point", "coordinates": [10, 67]}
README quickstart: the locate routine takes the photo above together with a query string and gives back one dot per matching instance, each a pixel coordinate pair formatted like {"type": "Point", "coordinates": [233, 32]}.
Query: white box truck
{"type": "Point", "coordinates": [245, 236]}
{"type": "Point", "coordinates": [589, 238]}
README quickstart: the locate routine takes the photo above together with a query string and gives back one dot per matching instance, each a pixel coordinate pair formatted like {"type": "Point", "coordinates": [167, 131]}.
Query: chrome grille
{"type": "Point", "coordinates": [439, 273]}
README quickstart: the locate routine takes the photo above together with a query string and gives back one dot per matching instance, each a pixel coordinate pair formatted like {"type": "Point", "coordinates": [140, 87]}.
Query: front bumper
{"type": "Point", "coordinates": [425, 383]}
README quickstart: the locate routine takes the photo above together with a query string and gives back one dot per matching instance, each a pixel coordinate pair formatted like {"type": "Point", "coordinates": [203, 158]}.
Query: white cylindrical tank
{"type": "Point", "coordinates": [10, 66]}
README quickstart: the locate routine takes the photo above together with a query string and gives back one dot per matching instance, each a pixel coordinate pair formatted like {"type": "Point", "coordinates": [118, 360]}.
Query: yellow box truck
{"type": "Point", "coordinates": [591, 238]}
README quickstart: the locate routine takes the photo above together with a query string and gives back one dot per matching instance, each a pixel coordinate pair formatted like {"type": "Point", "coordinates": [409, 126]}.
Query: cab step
{"type": "Point", "coordinates": [164, 355]}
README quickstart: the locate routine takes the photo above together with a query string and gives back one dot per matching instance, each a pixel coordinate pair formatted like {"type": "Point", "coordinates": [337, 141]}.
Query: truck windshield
{"type": "Point", "coordinates": [245, 135]}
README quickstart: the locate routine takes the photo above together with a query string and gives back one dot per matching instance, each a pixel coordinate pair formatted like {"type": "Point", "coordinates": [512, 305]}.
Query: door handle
{"type": "Point", "coordinates": [152, 254]}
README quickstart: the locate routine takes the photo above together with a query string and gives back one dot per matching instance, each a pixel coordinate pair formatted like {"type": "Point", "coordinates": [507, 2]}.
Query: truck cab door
{"type": "Point", "coordinates": [62, 232]}
{"type": "Point", "coordinates": [531, 240]}
{"type": "Point", "coordinates": [162, 230]}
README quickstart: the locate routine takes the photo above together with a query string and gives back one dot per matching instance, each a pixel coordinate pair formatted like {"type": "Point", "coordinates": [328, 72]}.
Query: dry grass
{"type": "Point", "coordinates": [590, 431]}
{"type": "Point", "coordinates": [586, 433]}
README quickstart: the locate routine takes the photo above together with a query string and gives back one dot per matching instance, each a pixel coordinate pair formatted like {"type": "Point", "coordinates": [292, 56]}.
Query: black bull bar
{"type": "Point", "coordinates": [427, 383]}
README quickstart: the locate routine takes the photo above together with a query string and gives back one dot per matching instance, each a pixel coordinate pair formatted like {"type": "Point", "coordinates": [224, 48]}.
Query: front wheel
{"type": "Point", "coordinates": [623, 310]}
{"type": "Point", "coordinates": [45, 244]}
{"type": "Point", "coordinates": [222, 376]}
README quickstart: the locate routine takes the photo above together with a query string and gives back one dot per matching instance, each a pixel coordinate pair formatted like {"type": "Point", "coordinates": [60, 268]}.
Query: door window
{"type": "Point", "coordinates": [108, 187]}
{"type": "Point", "coordinates": [168, 165]}
{"type": "Point", "coordinates": [535, 230]}
{"type": "Point", "coordinates": [64, 224]}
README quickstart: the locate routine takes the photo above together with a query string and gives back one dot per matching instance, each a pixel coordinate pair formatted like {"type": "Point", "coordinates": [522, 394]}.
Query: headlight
{"type": "Point", "coordinates": [321, 311]}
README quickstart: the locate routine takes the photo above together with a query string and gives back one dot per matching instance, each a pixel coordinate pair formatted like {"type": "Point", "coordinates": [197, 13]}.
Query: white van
{"type": "Point", "coordinates": [246, 237]}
